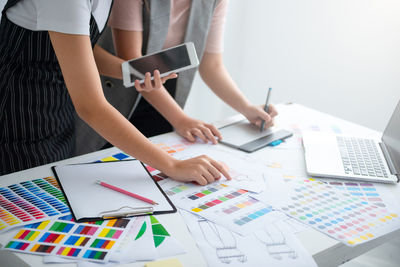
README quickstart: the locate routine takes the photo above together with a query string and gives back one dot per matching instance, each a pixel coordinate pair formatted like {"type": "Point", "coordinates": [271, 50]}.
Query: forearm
{"type": "Point", "coordinates": [163, 102]}
{"type": "Point", "coordinates": [121, 133]}
{"type": "Point", "coordinates": [77, 63]}
{"type": "Point", "coordinates": [217, 78]}
{"type": "Point", "coordinates": [107, 64]}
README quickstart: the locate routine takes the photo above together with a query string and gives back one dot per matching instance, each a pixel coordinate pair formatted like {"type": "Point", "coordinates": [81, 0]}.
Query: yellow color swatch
{"type": "Point", "coordinates": [33, 237]}
{"type": "Point", "coordinates": [104, 232]}
{"type": "Point", "coordinates": [66, 251]}
{"type": "Point", "coordinates": [79, 241]}
{"type": "Point", "coordinates": [109, 159]}
{"type": "Point", "coordinates": [196, 209]}
{"type": "Point", "coordinates": [43, 225]}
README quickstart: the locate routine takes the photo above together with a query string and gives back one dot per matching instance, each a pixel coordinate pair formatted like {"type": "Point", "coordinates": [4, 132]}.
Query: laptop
{"type": "Point", "coordinates": [355, 158]}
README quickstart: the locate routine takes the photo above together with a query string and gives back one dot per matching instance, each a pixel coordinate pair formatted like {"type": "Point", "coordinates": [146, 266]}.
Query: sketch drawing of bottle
{"type": "Point", "coordinates": [222, 240]}
{"type": "Point", "coordinates": [274, 239]}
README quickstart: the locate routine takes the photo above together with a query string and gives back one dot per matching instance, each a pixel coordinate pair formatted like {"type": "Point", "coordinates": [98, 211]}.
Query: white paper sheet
{"type": "Point", "coordinates": [272, 245]}
{"type": "Point", "coordinates": [89, 199]}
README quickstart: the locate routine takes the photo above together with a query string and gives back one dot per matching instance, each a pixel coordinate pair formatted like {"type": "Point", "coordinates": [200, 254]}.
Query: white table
{"type": "Point", "coordinates": [325, 250]}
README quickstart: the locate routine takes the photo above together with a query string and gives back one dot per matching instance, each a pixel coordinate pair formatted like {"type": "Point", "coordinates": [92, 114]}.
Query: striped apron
{"type": "Point", "coordinates": [36, 112]}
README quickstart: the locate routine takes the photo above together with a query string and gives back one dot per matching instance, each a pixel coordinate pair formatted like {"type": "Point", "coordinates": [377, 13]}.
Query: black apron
{"type": "Point", "coordinates": [36, 111]}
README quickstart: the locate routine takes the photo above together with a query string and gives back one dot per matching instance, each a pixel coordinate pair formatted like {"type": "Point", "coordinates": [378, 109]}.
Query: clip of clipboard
{"type": "Point", "coordinates": [90, 202]}
{"type": "Point", "coordinates": [119, 213]}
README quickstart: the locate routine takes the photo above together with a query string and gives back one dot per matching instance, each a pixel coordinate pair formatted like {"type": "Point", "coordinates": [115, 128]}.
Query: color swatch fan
{"type": "Point", "coordinates": [30, 201]}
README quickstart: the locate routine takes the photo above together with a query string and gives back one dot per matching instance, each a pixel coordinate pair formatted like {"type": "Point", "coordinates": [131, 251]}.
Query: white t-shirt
{"type": "Point", "coordinates": [65, 16]}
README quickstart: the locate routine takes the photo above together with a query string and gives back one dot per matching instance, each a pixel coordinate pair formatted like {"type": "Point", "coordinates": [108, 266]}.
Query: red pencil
{"type": "Point", "coordinates": [112, 187]}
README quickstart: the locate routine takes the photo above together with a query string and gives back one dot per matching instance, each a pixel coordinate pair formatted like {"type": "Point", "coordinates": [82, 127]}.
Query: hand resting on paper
{"type": "Point", "coordinates": [190, 128]}
{"type": "Point", "coordinates": [255, 114]}
{"type": "Point", "coordinates": [202, 170]}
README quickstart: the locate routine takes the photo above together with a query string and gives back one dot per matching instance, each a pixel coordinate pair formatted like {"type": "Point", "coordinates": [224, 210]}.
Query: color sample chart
{"type": "Point", "coordinates": [30, 201]}
{"type": "Point", "coordinates": [224, 205]}
{"type": "Point", "coordinates": [337, 213]}
{"type": "Point", "coordinates": [63, 237]}
{"type": "Point", "coordinates": [366, 191]}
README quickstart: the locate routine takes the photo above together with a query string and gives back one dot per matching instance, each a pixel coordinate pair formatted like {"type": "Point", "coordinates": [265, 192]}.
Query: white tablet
{"type": "Point", "coordinates": [174, 59]}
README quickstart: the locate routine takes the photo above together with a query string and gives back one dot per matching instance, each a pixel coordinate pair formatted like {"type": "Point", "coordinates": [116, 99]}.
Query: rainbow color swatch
{"type": "Point", "coordinates": [339, 214]}
{"type": "Point", "coordinates": [63, 237]}
{"type": "Point", "coordinates": [221, 199]}
{"type": "Point", "coordinates": [30, 201]}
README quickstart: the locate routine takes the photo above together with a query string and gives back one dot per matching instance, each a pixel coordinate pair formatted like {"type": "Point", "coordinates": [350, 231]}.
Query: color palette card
{"type": "Point", "coordinates": [30, 201]}
{"type": "Point", "coordinates": [63, 237]}
{"type": "Point", "coordinates": [343, 216]}
{"type": "Point", "coordinates": [377, 195]}
{"type": "Point", "coordinates": [220, 203]}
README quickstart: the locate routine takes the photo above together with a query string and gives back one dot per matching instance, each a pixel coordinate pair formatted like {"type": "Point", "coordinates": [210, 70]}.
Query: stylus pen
{"type": "Point", "coordinates": [120, 190]}
{"type": "Point", "coordinates": [265, 109]}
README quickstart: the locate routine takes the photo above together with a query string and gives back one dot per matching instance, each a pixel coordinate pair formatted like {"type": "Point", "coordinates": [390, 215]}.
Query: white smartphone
{"type": "Point", "coordinates": [174, 59]}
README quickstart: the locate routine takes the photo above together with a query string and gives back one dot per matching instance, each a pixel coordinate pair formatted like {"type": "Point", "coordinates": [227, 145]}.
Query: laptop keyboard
{"type": "Point", "coordinates": [361, 157]}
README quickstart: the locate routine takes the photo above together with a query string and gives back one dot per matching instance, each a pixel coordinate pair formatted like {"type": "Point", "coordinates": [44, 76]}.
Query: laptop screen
{"type": "Point", "coordinates": [391, 137]}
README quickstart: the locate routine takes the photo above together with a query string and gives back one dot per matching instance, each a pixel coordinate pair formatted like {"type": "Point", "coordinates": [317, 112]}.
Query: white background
{"type": "Point", "coordinates": [339, 56]}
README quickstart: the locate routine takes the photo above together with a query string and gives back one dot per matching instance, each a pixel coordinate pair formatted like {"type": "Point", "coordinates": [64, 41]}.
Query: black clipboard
{"type": "Point", "coordinates": [96, 198]}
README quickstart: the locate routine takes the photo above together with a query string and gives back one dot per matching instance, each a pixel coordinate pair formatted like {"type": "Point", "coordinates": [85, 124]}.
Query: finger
{"type": "Point", "coordinates": [199, 134]}
{"type": "Point", "coordinates": [138, 86]}
{"type": "Point", "coordinates": [208, 176]}
{"type": "Point", "coordinates": [214, 172]}
{"type": "Point", "coordinates": [264, 116]}
{"type": "Point", "coordinates": [214, 131]}
{"type": "Point", "coordinates": [257, 122]}
{"type": "Point", "coordinates": [147, 81]}
{"type": "Point", "coordinates": [221, 169]}
{"type": "Point", "coordinates": [170, 76]}
{"type": "Point", "coordinates": [207, 132]}
{"type": "Point", "coordinates": [188, 135]}
{"type": "Point", "coordinates": [157, 79]}
{"type": "Point", "coordinates": [200, 180]}
{"type": "Point", "coordinates": [272, 111]}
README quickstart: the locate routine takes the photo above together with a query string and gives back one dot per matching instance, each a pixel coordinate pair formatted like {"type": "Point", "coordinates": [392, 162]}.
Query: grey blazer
{"type": "Point", "coordinates": [155, 29]}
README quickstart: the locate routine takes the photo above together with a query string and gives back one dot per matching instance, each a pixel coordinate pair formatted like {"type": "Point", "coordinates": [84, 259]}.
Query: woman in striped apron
{"type": "Point", "coordinates": [49, 67]}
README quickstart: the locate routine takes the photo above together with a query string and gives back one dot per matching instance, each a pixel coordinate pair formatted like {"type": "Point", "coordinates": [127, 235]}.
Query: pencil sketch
{"type": "Point", "coordinates": [274, 239]}
{"type": "Point", "coordinates": [222, 240]}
